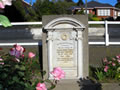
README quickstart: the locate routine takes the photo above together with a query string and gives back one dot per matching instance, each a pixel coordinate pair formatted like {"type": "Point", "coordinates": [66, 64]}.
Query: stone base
{"type": "Point", "coordinates": [110, 86]}
{"type": "Point", "coordinates": [67, 85]}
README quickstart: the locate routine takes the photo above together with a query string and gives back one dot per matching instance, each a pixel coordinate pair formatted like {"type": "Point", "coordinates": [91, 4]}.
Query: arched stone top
{"type": "Point", "coordinates": [64, 22]}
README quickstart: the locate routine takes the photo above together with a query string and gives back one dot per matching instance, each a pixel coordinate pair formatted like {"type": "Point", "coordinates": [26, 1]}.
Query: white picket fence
{"type": "Point", "coordinates": [105, 42]}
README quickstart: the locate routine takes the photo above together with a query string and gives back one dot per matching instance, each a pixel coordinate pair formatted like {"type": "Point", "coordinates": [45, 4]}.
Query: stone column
{"type": "Point", "coordinates": [50, 40]}
{"type": "Point", "coordinates": [80, 53]}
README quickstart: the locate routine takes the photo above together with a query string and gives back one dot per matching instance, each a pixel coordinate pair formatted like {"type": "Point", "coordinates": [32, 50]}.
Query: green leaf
{"type": "Point", "coordinates": [44, 72]}
{"type": "Point", "coordinates": [22, 68]}
{"type": "Point", "coordinates": [5, 21]}
{"type": "Point", "coordinates": [4, 75]}
{"type": "Point", "coordinates": [17, 66]}
{"type": "Point", "coordinates": [21, 73]}
{"type": "Point", "coordinates": [52, 87]}
{"type": "Point", "coordinates": [1, 86]}
{"type": "Point", "coordinates": [15, 79]}
{"type": "Point", "coordinates": [48, 81]}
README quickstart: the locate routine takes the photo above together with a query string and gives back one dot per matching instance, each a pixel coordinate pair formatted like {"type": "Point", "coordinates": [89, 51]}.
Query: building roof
{"type": "Point", "coordinates": [26, 3]}
{"type": "Point", "coordinates": [92, 4]}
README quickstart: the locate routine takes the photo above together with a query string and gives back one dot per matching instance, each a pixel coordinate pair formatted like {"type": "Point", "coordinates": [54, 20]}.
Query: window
{"type": "Point", "coordinates": [115, 13]}
{"type": "Point", "coordinates": [87, 11]}
{"type": "Point", "coordinates": [103, 12]}
{"type": "Point", "coordinates": [118, 13]}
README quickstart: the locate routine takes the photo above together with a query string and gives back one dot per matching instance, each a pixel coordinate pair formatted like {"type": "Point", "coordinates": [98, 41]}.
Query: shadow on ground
{"type": "Point", "coordinates": [88, 84]}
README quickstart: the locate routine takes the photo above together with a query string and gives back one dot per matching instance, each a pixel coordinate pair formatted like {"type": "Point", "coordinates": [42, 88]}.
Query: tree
{"type": "Point", "coordinates": [64, 9]}
{"type": "Point", "coordinates": [118, 0]}
{"type": "Point", "coordinates": [80, 3]}
{"type": "Point", "coordinates": [118, 4]}
{"type": "Point", "coordinates": [46, 7]}
{"type": "Point", "coordinates": [41, 8]}
{"type": "Point", "coordinates": [16, 12]}
{"type": "Point", "coordinates": [68, 0]}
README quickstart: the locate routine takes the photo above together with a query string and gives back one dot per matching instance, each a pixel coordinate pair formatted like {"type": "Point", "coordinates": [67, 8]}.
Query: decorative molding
{"type": "Point", "coordinates": [50, 36]}
{"type": "Point", "coordinates": [79, 35]}
{"type": "Point", "coordinates": [71, 21]}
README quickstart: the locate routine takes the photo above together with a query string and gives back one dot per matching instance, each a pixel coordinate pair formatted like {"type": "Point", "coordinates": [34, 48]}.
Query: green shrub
{"type": "Point", "coordinates": [109, 72]}
{"type": "Point", "coordinates": [18, 72]}
{"type": "Point", "coordinates": [95, 19]}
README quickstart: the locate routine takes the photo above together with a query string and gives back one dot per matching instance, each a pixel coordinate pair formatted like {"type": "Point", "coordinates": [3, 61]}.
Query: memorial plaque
{"type": "Point", "coordinates": [64, 49]}
{"type": "Point", "coordinates": [65, 46]}
{"type": "Point", "coordinates": [65, 53]}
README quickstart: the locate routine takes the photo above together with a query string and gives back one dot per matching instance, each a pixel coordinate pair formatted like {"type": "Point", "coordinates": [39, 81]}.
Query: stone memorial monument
{"type": "Point", "coordinates": [65, 45]}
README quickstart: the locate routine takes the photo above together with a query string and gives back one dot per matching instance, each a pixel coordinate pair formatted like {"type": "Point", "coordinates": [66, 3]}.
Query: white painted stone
{"type": "Point", "coordinates": [64, 37]}
{"type": "Point", "coordinates": [96, 31]}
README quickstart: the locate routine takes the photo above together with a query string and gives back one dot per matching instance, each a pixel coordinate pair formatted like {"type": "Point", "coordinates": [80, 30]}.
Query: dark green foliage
{"type": "Point", "coordinates": [80, 12]}
{"type": "Point", "coordinates": [80, 3]}
{"type": "Point", "coordinates": [12, 74]}
{"type": "Point", "coordinates": [68, 0]}
{"type": "Point", "coordinates": [46, 7]}
{"type": "Point", "coordinates": [109, 72]}
{"type": "Point", "coordinates": [117, 5]}
{"type": "Point", "coordinates": [16, 12]}
{"type": "Point", "coordinates": [23, 75]}
{"type": "Point", "coordinates": [93, 18]}
{"type": "Point", "coordinates": [19, 13]}
{"type": "Point", "coordinates": [40, 8]}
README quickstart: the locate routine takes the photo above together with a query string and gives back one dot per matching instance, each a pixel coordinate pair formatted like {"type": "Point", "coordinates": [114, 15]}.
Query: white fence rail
{"type": "Point", "coordinates": [107, 38]}
{"type": "Point", "coordinates": [105, 42]}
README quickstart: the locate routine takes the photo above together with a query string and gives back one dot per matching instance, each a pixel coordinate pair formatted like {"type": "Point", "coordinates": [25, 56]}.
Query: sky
{"type": "Point", "coordinates": [112, 2]}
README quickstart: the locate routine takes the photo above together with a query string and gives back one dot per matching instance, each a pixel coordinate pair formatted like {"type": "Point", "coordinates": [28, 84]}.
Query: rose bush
{"type": "Point", "coordinates": [20, 72]}
{"type": "Point", "coordinates": [14, 70]}
{"type": "Point", "coordinates": [110, 69]}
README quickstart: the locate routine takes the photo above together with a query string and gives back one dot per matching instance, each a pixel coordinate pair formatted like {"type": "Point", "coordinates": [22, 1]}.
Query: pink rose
{"type": "Point", "coordinates": [58, 73]}
{"type": "Point", "coordinates": [113, 64]}
{"type": "Point", "coordinates": [106, 68]}
{"type": "Point", "coordinates": [31, 55]}
{"type": "Point", "coordinates": [5, 2]}
{"type": "Point", "coordinates": [17, 51]}
{"type": "Point", "coordinates": [1, 59]}
{"type": "Point", "coordinates": [1, 5]}
{"type": "Point", "coordinates": [2, 63]}
{"type": "Point", "coordinates": [18, 47]}
{"type": "Point", "coordinates": [23, 56]}
{"type": "Point", "coordinates": [118, 60]}
{"type": "Point", "coordinates": [41, 86]}
{"type": "Point", "coordinates": [12, 51]}
{"type": "Point", "coordinates": [105, 60]}
{"type": "Point", "coordinates": [118, 56]}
